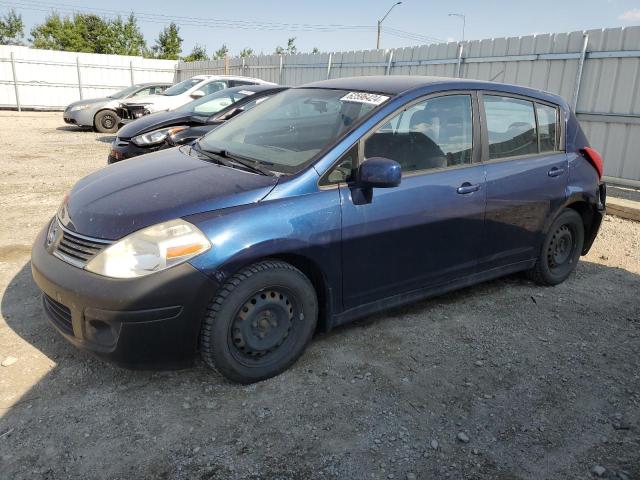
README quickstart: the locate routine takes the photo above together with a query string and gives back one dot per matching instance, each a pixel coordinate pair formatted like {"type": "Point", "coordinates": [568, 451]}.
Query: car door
{"type": "Point", "coordinates": [526, 176]}
{"type": "Point", "coordinates": [427, 231]}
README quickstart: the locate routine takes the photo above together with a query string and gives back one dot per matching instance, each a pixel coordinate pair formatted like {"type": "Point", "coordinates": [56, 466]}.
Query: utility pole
{"type": "Point", "coordinates": [382, 20]}
{"type": "Point", "coordinates": [464, 21]}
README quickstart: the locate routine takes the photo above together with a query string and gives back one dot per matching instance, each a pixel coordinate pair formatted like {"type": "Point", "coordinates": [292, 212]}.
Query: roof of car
{"type": "Point", "coordinates": [261, 87]}
{"type": "Point", "coordinates": [148, 84]}
{"type": "Point", "coordinates": [233, 77]}
{"type": "Point", "coordinates": [397, 84]}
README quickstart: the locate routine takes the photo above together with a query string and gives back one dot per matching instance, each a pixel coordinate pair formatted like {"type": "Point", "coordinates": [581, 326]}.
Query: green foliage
{"type": "Point", "coordinates": [222, 52]}
{"type": "Point", "coordinates": [168, 44]}
{"type": "Point", "coordinates": [246, 52]}
{"type": "Point", "coordinates": [290, 50]}
{"type": "Point", "coordinates": [315, 50]}
{"type": "Point", "coordinates": [198, 53]}
{"type": "Point", "coordinates": [89, 33]}
{"type": "Point", "coordinates": [11, 28]}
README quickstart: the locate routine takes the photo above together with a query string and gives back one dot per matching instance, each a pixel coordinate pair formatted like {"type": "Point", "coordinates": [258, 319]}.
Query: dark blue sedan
{"type": "Point", "coordinates": [327, 203]}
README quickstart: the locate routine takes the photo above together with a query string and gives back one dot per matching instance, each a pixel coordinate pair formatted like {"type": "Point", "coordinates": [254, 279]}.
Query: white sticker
{"type": "Point", "coordinates": [364, 97]}
{"type": "Point", "coordinates": [246, 92]}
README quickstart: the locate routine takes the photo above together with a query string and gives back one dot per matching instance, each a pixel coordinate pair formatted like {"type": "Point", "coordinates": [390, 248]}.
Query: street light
{"type": "Point", "coordinates": [382, 20]}
{"type": "Point", "coordinates": [464, 21]}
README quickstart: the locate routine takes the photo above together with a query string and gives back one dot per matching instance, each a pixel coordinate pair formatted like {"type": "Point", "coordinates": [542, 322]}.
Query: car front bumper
{"type": "Point", "coordinates": [82, 118]}
{"type": "Point", "coordinates": [146, 322]}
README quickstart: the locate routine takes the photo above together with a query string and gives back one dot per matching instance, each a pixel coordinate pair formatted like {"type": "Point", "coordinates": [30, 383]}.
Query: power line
{"type": "Point", "coordinates": [146, 17]}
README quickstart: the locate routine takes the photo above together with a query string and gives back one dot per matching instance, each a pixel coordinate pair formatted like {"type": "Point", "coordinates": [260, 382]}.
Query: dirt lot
{"type": "Point", "coordinates": [542, 382]}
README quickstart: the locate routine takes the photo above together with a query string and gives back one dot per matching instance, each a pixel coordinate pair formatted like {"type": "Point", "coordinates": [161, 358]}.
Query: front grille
{"type": "Point", "coordinates": [58, 313]}
{"type": "Point", "coordinates": [77, 249]}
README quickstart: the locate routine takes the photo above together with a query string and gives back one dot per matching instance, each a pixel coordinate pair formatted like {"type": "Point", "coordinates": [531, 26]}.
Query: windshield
{"type": "Point", "coordinates": [125, 92]}
{"type": "Point", "coordinates": [290, 129]}
{"type": "Point", "coordinates": [181, 87]}
{"type": "Point", "coordinates": [212, 103]}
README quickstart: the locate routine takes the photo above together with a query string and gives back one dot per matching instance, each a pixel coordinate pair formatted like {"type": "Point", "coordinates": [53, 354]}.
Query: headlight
{"type": "Point", "coordinates": [84, 106]}
{"type": "Point", "coordinates": [150, 250]}
{"type": "Point", "coordinates": [156, 137]}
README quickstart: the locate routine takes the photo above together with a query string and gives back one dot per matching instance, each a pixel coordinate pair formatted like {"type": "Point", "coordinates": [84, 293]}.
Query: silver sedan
{"type": "Point", "coordinates": [100, 113]}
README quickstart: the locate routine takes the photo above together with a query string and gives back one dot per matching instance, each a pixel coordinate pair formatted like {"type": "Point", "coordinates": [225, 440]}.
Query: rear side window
{"type": "Point", "coordinates": [213, 87]}
{"type": "Point", "coordinates": [435, 133]}
{"type": "Point", "coordinates": [548, 127]}
{"type": "Point", "coordinates": [511, 126]}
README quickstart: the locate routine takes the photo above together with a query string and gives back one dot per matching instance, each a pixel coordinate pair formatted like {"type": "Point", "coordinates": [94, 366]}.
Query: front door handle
{"type": "Point", "coordinates": [555, 172]}
{"type": "Point", "coordinates": [466, 187]}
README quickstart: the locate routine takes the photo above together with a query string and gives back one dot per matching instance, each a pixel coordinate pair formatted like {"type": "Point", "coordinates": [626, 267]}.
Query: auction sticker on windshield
{"type": "Point", "coordinates": [364, 97]}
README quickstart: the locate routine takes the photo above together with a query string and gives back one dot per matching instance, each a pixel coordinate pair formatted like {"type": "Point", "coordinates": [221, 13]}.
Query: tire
{"type": "Point", "coordinates": [259, 322]}
{"type": "Point", "coordinates": [560, 251]}
{"type": "Point", "coordinates": [106, 121]}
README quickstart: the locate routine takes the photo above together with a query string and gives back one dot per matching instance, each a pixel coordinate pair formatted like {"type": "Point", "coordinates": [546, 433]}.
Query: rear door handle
{"type": "Point", "coordinates": [466, 187]}
{"type": "Point", "coordinates": [555, 172]}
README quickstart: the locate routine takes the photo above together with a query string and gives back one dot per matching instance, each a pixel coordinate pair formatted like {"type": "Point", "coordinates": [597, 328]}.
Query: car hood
{"type": "Point", "coordinates": [153, 188]}
{"type": "Point", "coordinates": [90, 101]}
{"type": "Point", "coordinates": [154, 121]}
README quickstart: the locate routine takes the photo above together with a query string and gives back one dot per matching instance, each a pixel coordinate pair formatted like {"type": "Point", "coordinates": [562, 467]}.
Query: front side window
{"type": "Point", "coordinates": [213, 87]}
{"type": "Point", "coordinates": [435, 133]}
{"type": "Point", "coordinates": [548, 127]}
{"type": "Point", "coordinates": [182, 87]}
{"type": "Point", "coordinates": [511, 127]}
{"type": "Point", "coordinates": [211, 104]}
{"type": "Point", "coordinates": [293, 127]}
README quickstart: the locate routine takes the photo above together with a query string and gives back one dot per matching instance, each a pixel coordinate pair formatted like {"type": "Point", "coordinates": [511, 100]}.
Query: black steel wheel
{"type": "Point", "coordinates": [561, 249]}
{"type": "Point", "coordinates": [260, 322]}
{"type": "Point", "coordinates": [106, 121]}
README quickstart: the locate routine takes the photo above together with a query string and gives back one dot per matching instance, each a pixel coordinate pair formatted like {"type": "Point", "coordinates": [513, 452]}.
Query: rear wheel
{"type": "Point", "coordinates": [106, 121]}
{"type": "Point", "coordinates": [260, 322]}
{"type": "Point", "coordinates": [560, 250]}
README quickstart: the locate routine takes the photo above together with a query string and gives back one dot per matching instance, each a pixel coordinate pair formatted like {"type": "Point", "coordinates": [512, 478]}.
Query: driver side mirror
{"type": "Point", "coordinates": [197, 94]}
{"type": "Point", "coordinates": [379, 172]}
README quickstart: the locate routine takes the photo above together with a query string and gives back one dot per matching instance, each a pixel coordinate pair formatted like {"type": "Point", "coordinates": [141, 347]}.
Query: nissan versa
{"type": "Point", "coordinates": [326, 203]}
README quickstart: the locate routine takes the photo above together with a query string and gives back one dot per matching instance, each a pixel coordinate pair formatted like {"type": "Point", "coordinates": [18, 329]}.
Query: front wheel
{"type": "Point", "coordinates": [561, 249]}
{"type": "Point", "coordinates": [260, 322]}
{"type": "Point", "coordinates": [106, 121]}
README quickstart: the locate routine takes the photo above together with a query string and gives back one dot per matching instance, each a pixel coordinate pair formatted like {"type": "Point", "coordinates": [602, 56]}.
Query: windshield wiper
{"type": "Point", "coordinates": [221, 157]}
{"type": "Point", "coordinates": [211, 156]}
{"type": "Point", "coordinates": [249, 163]}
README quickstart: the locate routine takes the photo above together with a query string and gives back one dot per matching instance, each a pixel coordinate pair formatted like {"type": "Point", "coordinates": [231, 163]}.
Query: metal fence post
{"type": "Point", "coordinates": [583, 55]}
{"type": "Point", "coordinates": [79, 76]}
{"type": "Point", "coordinates": [131, 71]}
{"type": "Point", "coordinates": [389, 62]}
{"type": "Point", "coordinates": [459, 67]}
{"type": "Point", "coordinates": [243, 66]}
{"type": "Point", "coordinates": [329, 65]}
{"type": "Point", "coordinates": [281, 67]}
{"type": "Point", "coordinates": [15, 81]}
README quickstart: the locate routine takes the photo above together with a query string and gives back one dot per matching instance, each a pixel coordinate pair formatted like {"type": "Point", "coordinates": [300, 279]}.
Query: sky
{"type": "Point", "coordinates": [338, 25]}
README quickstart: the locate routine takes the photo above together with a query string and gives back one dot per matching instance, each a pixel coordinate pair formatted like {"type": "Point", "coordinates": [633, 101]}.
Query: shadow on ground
{"type": "Point", "coordinates": [544, 381]}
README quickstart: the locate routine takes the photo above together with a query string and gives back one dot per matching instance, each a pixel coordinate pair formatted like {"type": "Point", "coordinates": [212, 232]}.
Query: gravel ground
{"type": "Point", "coordinates": [499, 381]}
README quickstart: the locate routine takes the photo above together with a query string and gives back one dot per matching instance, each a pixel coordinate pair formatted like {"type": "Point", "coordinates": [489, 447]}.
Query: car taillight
{"type": "Point", "coordinates": [594, 158]}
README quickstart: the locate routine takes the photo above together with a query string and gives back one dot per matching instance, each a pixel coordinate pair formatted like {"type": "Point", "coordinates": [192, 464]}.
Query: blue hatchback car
{"type": "Point", "coordinates": [326, 203]}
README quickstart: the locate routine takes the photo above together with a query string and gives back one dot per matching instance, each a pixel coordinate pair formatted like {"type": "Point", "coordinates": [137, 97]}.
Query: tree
{"type": "Point", "coordinates": [89, 33]}
{"type": "Point", "coordinates": [315, 50]}
{"type": "Point", "coordinates": [246, 52]}
{"type": "Point", "coordinates": [126, 37]}
{"type": "Point", "coordinates": [197, 54]}
{"type": "Point", "coordinates": [168, 44]}
{"type": "Point", "coordinates": [291, 48]}
{"type": "Point", "coordinates": [11, 29]}
{"type": "Point", "coordinates": [221, 52]}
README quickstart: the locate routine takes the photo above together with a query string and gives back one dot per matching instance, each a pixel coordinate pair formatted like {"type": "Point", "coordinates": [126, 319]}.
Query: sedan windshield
{"type": "Point", "coordinates": [181, 87]}
{"type": "Point", "coordinates": [213, 103]}
{"type": "Point", "coordinates": [125, 92]}
{"type": "Point", "coordinates": [288, 131]}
